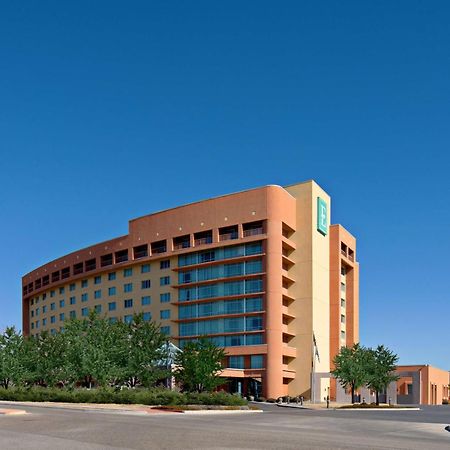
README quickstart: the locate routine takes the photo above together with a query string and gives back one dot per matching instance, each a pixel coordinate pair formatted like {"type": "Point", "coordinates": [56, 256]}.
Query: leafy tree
{"type": "Point", "coordinates": [11, 345]}
{"type": "Point", "coordinates": [351, 367]}
{"type": "Point", "coordinates": [381, 366]}
{"type": "Point", "coordinates": [144, 349]}
{"type": "Point", "coordinates": [199, 366]}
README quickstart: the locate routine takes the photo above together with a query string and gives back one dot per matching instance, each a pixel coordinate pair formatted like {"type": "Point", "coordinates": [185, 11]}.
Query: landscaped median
{"type": "Point", "coordinates": [141, 396]}
{"type": "Point", "coordinates": [131, 400]}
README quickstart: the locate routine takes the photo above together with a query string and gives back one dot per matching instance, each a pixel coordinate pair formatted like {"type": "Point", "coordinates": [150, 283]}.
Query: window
{"type": "Point", "coordinates": [111, 276]}
{"type": "Point", "coordinates": [128, 287]}
{"type": "Point", "coordinates": [164, 281]}
{"type": "Point", "coordinates": [72, 314]}
{"type": "Point", "coordinates": [128, 303]}
{"type": "Point", "coordinates": [165, 330]}
{"type": "Point", "coordinates": [52, 293]}
{"type": "Point", "coordinates": [342, 287]}
{"type": "Point", "coordinates": [44, 309]}
{"type": "Point", "coordinates": [97, 279]}
{"type": "Point", "coordinates": [343, 335]}
{"type": "Point", "coordinates": [84, 297]}
{"type": "Point", "coordinates": [146, 284]}
{"type": "Point", "coordinates": [37, 323]}
{"type": "Point", "coordinates": [165, 314]}
{"type": "Point", "coordinates": [112, 291]}
{"type": "Point", "coordinates": [343, 270]}
{"type": "Point", "coordinates": [164, 264]}
{"type": "Point", "coordinates": [342, 319]}
{"type": "Point", "coordinates": [147, 316]}
{"type": "Point", "coordinates": [61, 303]}
{"type": "Point", "coordinates": [342, 303]}
{"type": "Point", "coordinates": [84, 312]}
{"type": "Point", "coordinates": [32, 313]}
{"type": "Point", "coordinates": [164, 297]}
{"type": "Point", "coordinates": [98, 309]}
{"type": "Point", "coordinates": [253, 323]}
{"type": "Point", "coordinates": [256, 361]}
{"type": "Point", "coordinates": [128, 272]}
{"type": "Point", "coordinates": [52, 306]}
{"type": "Point", "coordinates": [72, 287]}
{"type": "Point", "coordinates": [61, 290]}
{"type": "Point", "coordinates": [236, 362]}
{"type": "Point", "coordinates": [61, 316]}
{"type": "Point", "coordinates": [72, 300]}
{"type": "Point", "coordinates": [145, 268]}
{"type": "Point", "coordinates": [111, 306]}
{"type": "Point", "coordinates": [52, 319]}
{"type": "Point", "coordinates": [146, 300]}
{"type": "Point", "coordinates": [128, 318]}
{"type": "Point", "coordinates": [84, 283]}
{"type": "Point", "coordinates": [44, 322]}
{"type": "Point", "coordinates": [113, 320]}
{"type": "Point", "coordinates": [98, 294]}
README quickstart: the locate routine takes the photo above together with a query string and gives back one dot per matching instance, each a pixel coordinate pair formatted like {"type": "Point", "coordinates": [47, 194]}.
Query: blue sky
{"type": "Point", "coordinates": [111, 110]}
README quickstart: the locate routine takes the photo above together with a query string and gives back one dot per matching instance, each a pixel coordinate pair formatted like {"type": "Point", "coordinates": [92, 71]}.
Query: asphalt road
{"type": "Point", "coordinates": [275, 428]}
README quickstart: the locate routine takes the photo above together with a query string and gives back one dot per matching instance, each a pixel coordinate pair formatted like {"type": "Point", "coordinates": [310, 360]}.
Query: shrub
{"type": "Point", "coordinates": [445, 401]}
{"type": "Point", "coordinates": [125, 396]}
{"type": "Point", "coordinates": [271, 400]}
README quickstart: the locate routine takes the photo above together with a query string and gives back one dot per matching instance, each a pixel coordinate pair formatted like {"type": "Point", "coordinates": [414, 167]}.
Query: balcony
{"type": "Point", "coordinates": [203, 238]}
{"type": "Point", "coordinates": [182, 242]}
{"type": "Point", "coordinates": [253, 232]}
{"type": "Point", "coordinates": [228, 233]}
{"type": "Point", "coordinates": [159, 247]}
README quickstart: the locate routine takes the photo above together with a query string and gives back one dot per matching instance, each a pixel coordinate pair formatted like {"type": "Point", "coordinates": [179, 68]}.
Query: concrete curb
{"type": "Point", "coordinates": [12, 412]}
{"type": "Point", "coordinates": [377, 409]}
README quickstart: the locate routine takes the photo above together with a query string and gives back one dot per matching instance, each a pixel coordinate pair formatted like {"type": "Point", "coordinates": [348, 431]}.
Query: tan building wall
{"type": "Point", "coordinates": [435, 383]}
{"type": "Point", "coordinates": [296, 280]}
{"type": "Point", "coordinates": [344, 294]}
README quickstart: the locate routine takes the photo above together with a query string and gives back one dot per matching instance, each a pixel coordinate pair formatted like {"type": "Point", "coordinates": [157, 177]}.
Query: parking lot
{"type": "Point", "coordinates": [275, 428]}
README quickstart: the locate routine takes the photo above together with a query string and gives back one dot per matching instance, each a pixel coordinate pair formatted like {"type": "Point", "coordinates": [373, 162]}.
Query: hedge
{"type": "Point", "coordinates": [125, 396]}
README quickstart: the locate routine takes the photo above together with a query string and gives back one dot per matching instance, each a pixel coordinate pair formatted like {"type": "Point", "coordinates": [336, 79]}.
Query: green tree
{"type": "Point", "coordinates": [351, 367]}
{"type": "Point", "coordinates": [382, 363]}
{"type": "Point", "coordinates": [144, 348]}
{"type": "Point", "coordinates": [11, 345]}
{"type": "Point", "coordinates": [199, 366]}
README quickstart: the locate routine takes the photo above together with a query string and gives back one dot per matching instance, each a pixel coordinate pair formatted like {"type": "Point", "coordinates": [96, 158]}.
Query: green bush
{"type": "Point", "coordinates": [125, 396]}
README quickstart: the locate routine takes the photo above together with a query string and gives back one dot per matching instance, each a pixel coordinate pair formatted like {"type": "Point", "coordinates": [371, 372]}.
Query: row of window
{"type": "Point", "coordinates": [230, 341]}
{"type": "Point", "coordinates": [238, 362]}
{"type": "Point", "coordinates": [91, 265]}
{"type": "Point", "coordinates": [218, 254]}
{"type": "Point", "coordinates": [164, 314]}
{"type": "Point", "coordinates": [217, 326]}
{"type": "Point", "coordinates": [127, 319]}
{"type": "Point", "coordinates": [221, 289]}
{"type": "Point", "coordinates": [220, 271]}
{"type": "Point", "coordinates": [145, 300]}
{"type": "Point", "coordinates": [221, 307]}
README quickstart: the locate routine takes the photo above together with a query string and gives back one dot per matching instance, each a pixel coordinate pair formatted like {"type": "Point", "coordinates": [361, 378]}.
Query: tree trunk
{"type": "Point", "coordinates": [377, 396]}
{"type": "Point", "coordinates": [353, 394]}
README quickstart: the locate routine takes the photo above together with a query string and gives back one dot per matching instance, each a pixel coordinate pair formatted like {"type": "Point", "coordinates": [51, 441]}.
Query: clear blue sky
{"type": "Point", "coordinates": [111, 110]}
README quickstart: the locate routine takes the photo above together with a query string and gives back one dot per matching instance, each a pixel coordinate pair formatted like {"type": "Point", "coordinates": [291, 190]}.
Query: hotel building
{"type": "Point", "coordinates": [260, 272]}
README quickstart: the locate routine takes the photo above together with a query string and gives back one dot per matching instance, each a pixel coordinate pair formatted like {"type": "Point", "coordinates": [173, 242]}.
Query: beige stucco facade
{"type": "Point", "coordinates": [254, 271]}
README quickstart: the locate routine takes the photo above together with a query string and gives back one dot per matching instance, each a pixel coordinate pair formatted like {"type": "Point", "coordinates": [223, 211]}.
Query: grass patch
{"type": "Point", "coordinates": [125, 396]}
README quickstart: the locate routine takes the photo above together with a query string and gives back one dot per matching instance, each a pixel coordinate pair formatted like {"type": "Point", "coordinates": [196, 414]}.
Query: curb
{"type": "Point", "coordinates": [12, 412]}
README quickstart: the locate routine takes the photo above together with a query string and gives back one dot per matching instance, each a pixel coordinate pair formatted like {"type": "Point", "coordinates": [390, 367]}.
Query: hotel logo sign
{"type": "Point", "coordinates": [322, 216]}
